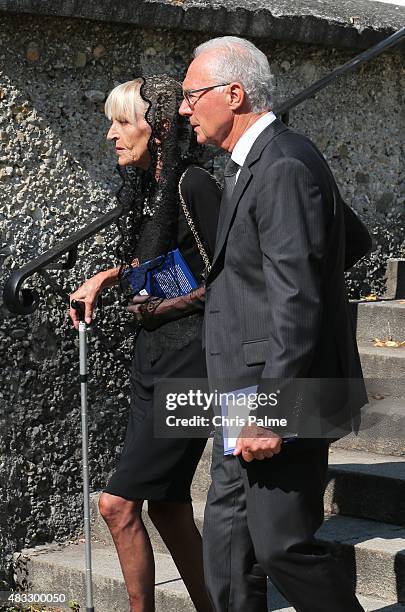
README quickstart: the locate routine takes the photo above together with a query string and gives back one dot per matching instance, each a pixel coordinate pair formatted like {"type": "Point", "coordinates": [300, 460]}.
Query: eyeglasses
{"type": "Point", "coordinates": [189, 94]}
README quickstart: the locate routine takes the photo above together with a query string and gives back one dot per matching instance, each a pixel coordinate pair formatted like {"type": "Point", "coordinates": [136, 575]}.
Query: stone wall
{"type": "Point", "coordinates": [57, 174]}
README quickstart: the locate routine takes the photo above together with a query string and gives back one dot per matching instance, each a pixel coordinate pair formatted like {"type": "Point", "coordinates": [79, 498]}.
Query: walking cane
{"type": "Point", "coordinates": [79, 307]}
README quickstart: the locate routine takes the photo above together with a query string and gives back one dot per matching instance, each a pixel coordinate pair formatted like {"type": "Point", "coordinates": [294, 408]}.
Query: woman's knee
{"type": "Point", "coordinates": [160, 512]}
{"type": "Point", "coordinates": [116, 510]}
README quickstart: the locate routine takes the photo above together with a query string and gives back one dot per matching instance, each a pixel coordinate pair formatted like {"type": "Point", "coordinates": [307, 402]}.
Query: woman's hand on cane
{"type": "Point", "coordinates": [89, 292]}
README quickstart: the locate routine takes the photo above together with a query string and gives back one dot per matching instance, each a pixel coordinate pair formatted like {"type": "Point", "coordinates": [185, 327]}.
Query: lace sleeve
{"type": "Point", "coordinates": [155, 311]}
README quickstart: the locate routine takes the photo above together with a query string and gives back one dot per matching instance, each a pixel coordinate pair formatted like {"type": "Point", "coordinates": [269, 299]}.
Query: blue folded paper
{"type": "Point", "coordinates": [166, 276]}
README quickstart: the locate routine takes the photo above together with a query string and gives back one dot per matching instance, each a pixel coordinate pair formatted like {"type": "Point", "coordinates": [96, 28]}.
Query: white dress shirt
{"type": "Point", "coordinates": [247, 140]}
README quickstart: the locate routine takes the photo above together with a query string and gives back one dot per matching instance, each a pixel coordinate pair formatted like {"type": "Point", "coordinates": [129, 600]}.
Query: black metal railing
{"type": "Point", "coordinates": [24, 301]}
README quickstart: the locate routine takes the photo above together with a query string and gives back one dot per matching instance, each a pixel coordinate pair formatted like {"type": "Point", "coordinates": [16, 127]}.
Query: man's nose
{"type": "Point", "coordinates": [185, 110]}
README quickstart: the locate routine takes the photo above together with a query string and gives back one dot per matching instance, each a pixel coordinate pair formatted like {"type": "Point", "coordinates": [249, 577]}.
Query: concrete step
{"type": "Point", "coordinates": [382, 428]}
{"type": "Point", "coordinates": [384, 320]}
{"type": "Point", "coordinates": [59, 569]}
{"type": "Point", "coordinates": [373, 554]}
{"type": "Point", "coordinates": [383, 369]}
{"type": "Point", "coordinates": [361, 484]}
{"type": "Point", "coordinates": [277, 603]}
{"type": "Point", "coordinates": [366, 485]}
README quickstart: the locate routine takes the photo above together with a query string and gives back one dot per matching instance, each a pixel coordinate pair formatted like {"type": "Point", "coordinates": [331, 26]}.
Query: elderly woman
{"type": "Point", "coordinates": [168, 203]}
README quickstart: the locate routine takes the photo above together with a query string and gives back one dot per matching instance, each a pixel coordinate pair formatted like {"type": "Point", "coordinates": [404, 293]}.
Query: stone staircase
{"type": "Point", "coordinates": [364, 501]}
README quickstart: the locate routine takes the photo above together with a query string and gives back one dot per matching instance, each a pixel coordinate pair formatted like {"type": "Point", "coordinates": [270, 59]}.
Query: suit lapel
{"type": "Point", "coordinates": [244, 178]}
{"type": "Point", "coordinates": [241, 184]}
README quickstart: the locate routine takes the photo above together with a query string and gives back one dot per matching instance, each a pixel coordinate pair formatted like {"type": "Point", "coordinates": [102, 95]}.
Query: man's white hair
{"type": "Point", "coordinates": [240, 60]}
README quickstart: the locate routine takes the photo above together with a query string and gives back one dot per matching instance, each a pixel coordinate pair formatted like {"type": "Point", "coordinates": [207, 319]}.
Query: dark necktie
{"type": "Point", "coordinates": [231, 170]}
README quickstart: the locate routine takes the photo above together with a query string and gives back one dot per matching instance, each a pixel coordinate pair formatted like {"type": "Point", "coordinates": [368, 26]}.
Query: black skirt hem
{"type": "Point", "coordinates": [148, 497]}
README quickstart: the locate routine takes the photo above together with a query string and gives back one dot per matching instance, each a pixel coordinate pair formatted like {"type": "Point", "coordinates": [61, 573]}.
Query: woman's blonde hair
{"type": "Point", "coordinates": [125, 102]}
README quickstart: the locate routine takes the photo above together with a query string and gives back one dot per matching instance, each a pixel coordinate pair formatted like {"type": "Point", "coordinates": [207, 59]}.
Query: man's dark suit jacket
{"type": "Point", "coordinates": [276, 305]}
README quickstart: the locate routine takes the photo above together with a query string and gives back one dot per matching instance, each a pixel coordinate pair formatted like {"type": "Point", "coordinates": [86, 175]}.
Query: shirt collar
{"type": "Point", "coordinates": [246, 141]}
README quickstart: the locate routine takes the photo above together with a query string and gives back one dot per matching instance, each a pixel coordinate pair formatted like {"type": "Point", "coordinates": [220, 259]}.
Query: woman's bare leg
{"type": "Point", "coordinates": [124, 520]}
{"type": "Point", "coordinates": [175, 523]}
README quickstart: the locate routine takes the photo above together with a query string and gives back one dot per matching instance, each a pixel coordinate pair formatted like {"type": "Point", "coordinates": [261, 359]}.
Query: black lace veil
{"type": "Point", "coordinates": [149, 222]}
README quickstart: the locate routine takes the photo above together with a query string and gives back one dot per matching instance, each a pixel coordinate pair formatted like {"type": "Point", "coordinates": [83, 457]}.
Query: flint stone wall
{"type": "Point", "coordinates": [57, 174]}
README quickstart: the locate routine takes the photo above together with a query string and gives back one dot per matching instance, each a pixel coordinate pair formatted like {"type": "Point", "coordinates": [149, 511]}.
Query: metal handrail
{"type": "Point", "coordinates": [25, 301]}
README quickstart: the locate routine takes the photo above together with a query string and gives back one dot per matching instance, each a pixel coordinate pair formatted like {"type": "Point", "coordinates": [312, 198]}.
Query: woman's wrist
{"type": "Point", "coordinates": [108, 278]}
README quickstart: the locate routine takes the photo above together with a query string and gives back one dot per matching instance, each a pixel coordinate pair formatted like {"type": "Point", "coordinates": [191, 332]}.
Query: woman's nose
{"type": "Point", "coordinates": [111, 134]}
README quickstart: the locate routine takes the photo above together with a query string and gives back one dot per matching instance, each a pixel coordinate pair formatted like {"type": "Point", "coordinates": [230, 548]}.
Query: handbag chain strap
{"type": "Point", "coordinates": [190, 222]}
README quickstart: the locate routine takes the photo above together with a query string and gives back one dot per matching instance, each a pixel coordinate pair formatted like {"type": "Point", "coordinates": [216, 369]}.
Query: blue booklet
{"type": "Point", "coordinates": [166, 276]}
{"type": "Point", "coordinates": [235, 410]}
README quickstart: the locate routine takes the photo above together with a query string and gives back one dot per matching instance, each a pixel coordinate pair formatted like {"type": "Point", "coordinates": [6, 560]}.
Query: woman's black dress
{"type": "Point", "coordinates": [161, 469]}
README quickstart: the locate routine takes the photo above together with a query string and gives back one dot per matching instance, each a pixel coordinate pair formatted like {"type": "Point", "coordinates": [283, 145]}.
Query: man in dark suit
{"type": "Point", "coordinates": [276, 308]}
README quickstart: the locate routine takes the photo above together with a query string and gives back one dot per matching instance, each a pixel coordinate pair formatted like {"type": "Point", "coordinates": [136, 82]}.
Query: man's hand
{"type": "Point", "coordinates": [257, 443]}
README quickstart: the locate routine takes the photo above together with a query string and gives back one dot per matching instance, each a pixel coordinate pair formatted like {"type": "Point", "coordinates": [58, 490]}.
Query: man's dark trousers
{"type": "Point", "coordinates": [260, 520]}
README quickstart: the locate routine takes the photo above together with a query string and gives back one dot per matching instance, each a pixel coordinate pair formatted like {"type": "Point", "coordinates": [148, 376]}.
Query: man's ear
{"type": "Point", "coordinates": [236, 96]}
